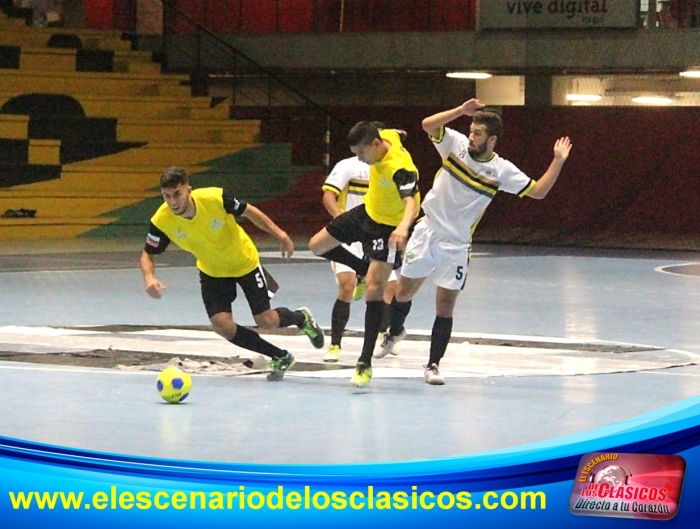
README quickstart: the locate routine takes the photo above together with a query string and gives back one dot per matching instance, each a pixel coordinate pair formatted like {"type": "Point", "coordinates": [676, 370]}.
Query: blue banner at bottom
{"type": "Point", "coordinates": [562, 481]}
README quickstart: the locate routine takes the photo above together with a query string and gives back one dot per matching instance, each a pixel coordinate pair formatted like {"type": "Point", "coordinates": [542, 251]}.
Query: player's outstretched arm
{"type": "Point", "coordinates": [562, 148]}
{"type": "Point", "coordinates": [265, 223]}
{"type": "Point", "coordinates": [330, 202]}
{"type": "Point", "coordinates": [154, 286]}
{"type": "Point", "coordinates": [432, 124]}
{"type": "Point", "coordinates": [399, 236]}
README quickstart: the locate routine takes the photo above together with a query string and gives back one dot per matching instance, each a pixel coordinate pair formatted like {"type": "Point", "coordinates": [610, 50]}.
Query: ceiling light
{"type": "Point", "coordinates": [652, 100]}
{"type": "Point", "coordinates": [694, 74]}
{"type": "Point", "coordinates": [468, 75]}
{"type": "Point", "coordinates": [583, 97]}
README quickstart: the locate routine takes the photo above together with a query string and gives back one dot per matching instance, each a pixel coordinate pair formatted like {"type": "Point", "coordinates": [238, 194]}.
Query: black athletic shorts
{"type": "Point", "coordinates": [356, 225]}
{"type": "Point", "coordinates": [218, 293]}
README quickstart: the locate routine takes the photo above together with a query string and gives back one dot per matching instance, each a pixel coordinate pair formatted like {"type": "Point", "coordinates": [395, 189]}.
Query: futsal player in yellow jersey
{"type": "Point", "coordinates": [203, 222]}
{"type": "Point", "coordinates": [382, 223]}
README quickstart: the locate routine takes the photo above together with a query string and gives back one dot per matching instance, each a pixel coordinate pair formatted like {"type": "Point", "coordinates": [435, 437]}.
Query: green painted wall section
{"type": "Point", "coordinates": [256, 174]}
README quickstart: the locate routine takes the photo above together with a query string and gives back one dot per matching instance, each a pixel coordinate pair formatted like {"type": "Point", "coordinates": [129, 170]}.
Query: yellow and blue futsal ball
{"type": "Point", "coordinates": [173, 385]}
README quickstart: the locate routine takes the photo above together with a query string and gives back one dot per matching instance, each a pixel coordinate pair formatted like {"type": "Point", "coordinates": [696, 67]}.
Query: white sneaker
{"type": "Point", "coordinates": [433, 376]}
{"type": "Point", "coordinates": [396, 351]}
{"type": "Point", "coordinates": [388, 343]}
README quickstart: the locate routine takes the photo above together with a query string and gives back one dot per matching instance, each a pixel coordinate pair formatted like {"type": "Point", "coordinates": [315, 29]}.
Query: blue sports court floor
{"type": "Point", "coordinates": [548, 342]}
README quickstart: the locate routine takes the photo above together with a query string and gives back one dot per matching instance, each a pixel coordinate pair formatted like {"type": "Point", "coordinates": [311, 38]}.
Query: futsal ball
{"type": "Point", "coordinates": [173, 385]}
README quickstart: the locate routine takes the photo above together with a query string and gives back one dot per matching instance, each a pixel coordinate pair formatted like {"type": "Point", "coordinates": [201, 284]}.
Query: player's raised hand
{"type": "Point", "coordinates": [154, 287]}
{"type": "Point", "coordinates": [562, 148]}
{"type": "Point", "coordinates": [471, 106]}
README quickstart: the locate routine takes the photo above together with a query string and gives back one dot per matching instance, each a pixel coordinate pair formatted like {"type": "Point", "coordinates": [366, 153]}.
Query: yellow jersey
{"type": "Point", "coordinates": [391, 179]}
{"type": "Point", "coordinates": [221, 246]}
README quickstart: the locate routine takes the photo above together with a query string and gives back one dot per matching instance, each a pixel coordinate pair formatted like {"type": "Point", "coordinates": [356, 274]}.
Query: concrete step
{"type": "Point", "coordinates": [167, 154]}
{"type": "Point", "coordinates": [161, 130]}
{"type": "Point", "coordinates": [91, 83]}
{"type": "Point", "coordinates": [65, 60]}
{"type": "Point", "coordinates": [43, 228]}
{"type": "Point", "coordinates": [7, 23]}
{"type": "Point", "coordinates": [34, 37]}
{"type": "Point", "coordinates": [232, 132]}
{"type": "Point", "coordinates": [90, 179]}
{"type": "Point", "coordinates": [13, 127]}
{"type": "Point", "coordinates": [74, 204]}
{"type": "Point", "coordinates": [156, 107]}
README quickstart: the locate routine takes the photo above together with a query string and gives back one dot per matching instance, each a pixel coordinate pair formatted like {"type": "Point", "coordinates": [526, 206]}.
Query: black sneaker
{"type": "Point", "coordinates": [280, 366]}
{"type": "Point", "coordinates": [312, 329]}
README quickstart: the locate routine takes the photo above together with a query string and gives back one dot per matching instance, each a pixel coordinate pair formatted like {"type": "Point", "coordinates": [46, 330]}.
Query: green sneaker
{"type": "Point", "coordinates": [361, 376]}
{"type": "Point", "coordinates": [280, 366]}
{"type": "Point", "coordinates": [333, 354]}
{"type": "Point", "coordinates": [312, 329]}
{"type": "Point", "coordinates": [360, 288]}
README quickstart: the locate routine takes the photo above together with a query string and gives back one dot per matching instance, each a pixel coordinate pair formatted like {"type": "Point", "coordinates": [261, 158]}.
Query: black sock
{"type": "Point", "coordinates": [339, 319]}
{"type": "Point", "coordinates": [399, 313]}
{"type": "Point", "coordinates": [440, 337]}
{"type": "Point", "coordinates": [251, 340]}
{"type": "Point", "coordinates": [289, 317]}
{"type": "Point", "coordinates": [373, 319]}
{"type": "Point", "coordinates": [386, 318]}
{"type": "Point", "coordinates": [341, 255]}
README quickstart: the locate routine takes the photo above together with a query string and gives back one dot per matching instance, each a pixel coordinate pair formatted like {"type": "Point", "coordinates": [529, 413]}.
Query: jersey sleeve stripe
{"type": "Point", "coordinates": [440, 136]}
{"type": "Point", "coordinates": [331, 188]}
{"type": "Point", "coordinates": [527, 188]}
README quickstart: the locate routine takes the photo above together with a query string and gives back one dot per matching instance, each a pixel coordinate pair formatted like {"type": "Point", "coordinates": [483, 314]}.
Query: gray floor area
{"type": "Point", "coordinates": [640, 310]}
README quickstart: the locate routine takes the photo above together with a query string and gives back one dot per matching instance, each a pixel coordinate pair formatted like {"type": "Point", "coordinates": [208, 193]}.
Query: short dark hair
{"type": "Point", "coordinates": [493, 122]}
{"type": "Point", "coordinates": [363, 133]}
{"type": "Point", "coordinates": [173, 177]}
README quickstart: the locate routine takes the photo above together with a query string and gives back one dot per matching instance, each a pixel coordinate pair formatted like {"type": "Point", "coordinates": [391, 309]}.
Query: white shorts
{"type": "Point", "coordinates": [426, 253]}
{"type": "Point", "coordinates": [356, 249]}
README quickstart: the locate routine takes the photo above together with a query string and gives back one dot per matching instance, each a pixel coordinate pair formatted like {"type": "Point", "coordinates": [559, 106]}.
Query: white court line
{"type": "Point", "coordinates": [520, 337]}
{"type": "Point", "coordinates": [661, 270]}
{"type": "Point", "coordinates": [298, 254]}
{"type": "Point", "coordinates": [67, 270]}
{"type": "Point", "coordinates": [672, 374]}
{"type": "Point", "coordinates": [46, 331]}
{"type": "Point", "coordinates": [71, 369]}
{"type": "Point", "coordinates": [201, 334]}
{"type": "Point", "coordinates": [382, 372]}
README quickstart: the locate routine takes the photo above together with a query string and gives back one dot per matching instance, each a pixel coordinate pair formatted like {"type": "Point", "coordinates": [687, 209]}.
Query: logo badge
{"type": "Point", "coordinates": [642, 486]}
